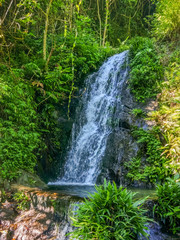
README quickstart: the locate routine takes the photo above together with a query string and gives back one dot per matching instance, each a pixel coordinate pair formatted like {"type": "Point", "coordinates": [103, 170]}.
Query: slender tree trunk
{"type": "Point", "coordinates": [71, 16]}
{"type": "Point", "coordinates": [106, 22]}
{"type": "Point", "coordinates": [99, 16]}
{"type": "Point", "coordinates": [72, 58]}
{"type": "Point", "coordinates": [65, 27]}
{"type": "Point", "coordinates": [6, 12]}
{"type": "Point", "coordinates": [46, 31]}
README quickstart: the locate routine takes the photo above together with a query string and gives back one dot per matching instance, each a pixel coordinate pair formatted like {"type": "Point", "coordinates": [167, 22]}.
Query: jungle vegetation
{"type": "Point", "coordinates": [48, 47]}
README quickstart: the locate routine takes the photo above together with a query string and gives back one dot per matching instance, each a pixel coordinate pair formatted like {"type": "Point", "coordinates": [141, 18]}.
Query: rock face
{"type": "Point", "coordinates": [155, 233]}
{"type": "Point", "coordinates": [121, 146]}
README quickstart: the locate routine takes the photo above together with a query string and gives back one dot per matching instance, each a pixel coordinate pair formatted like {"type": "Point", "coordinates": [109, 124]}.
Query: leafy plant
{"type": "Point", "coordinates": [110, 213]}
{"type": "Point", "coordinates": [167, 209]}
{"type": "Point", "coordinates": [22, 200]}
{"type": "Point", "coordinates": [137, 112]}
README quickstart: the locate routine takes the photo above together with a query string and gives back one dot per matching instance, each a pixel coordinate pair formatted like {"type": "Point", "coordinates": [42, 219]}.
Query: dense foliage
{"type": "Point", "coordinates": [39, 77]}
{"type": "Point", "coordinates": [159, 153]}
{"type": "Point", "coordinates": [18, 122]}
{"type": "Point", "coordinates": [166, 21]}
{"type": "Point", "coordinates": [149, 165]}
{"type": "Point", "coordinates": [125, 19]}
{"type": "Point", "coordinates": [167, 209]}
{"type": "Point", "coordinates": [167, 117]}
{"type": "Point", "coordinates": [110, 213]}
{"type": "Point", "coordinates": [146, 71]}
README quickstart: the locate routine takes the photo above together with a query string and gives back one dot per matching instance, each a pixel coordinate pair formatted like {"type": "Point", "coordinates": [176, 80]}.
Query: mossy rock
{"type": "Point", "coordinates": [30, 180]}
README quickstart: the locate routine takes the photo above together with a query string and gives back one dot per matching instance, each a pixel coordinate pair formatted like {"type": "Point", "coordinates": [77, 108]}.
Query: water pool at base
{"type": "Point", "coordinates": [82, 190]}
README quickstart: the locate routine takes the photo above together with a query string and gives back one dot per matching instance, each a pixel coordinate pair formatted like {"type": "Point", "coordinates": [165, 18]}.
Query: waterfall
{"type": "Point", "coordinates": [93, 123]}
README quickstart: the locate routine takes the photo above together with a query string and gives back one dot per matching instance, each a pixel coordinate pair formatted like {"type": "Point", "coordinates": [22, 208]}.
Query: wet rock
{"type": "Point", "coordinates": [121, 145]}
{"type": "Point", "coordinates": [155, 233]}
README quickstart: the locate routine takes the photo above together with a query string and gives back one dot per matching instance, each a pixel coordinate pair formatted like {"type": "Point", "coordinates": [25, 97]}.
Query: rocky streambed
{"type": "Point", "coordinates": [48, 216]}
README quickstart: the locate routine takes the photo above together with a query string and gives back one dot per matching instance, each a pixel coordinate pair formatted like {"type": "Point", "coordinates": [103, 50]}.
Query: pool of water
{"type": "Point", "coordinates": [82, 190]}
{"type": "Point", "coordinates": [78, 190]}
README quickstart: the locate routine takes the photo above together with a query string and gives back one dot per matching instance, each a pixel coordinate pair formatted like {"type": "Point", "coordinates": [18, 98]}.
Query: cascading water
{"type": "Point", "coordinates": [93, 122]}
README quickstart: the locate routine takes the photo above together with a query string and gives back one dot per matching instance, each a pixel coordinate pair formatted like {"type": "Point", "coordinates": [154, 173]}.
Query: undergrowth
{"type": "Point", "coordinates": [159, 155]}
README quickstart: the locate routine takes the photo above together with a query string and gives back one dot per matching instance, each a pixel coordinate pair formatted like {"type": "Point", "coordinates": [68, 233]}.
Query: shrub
{"type": "Point", "coordinates": [168, 207]}
{"type": "Point", "coordinates": [109, 214]}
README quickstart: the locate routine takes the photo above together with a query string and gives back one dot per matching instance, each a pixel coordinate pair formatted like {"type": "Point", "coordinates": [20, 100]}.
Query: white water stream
{"type": "Point", "coordinates": [93, 122]}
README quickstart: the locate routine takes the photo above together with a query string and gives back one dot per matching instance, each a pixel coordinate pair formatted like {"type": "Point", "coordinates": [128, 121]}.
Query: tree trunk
{"type": "Point", "coordinates": [46, 31]}
{"type": "Point", "coordinates": [100, 35]}
{"type": "Point", "coordinates": [106, 22]}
